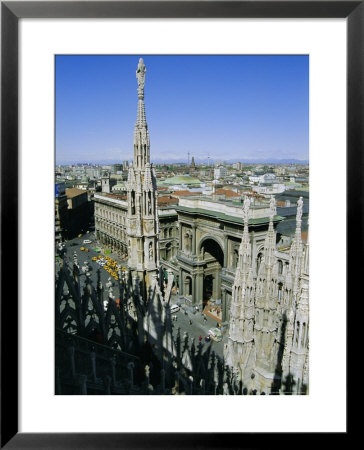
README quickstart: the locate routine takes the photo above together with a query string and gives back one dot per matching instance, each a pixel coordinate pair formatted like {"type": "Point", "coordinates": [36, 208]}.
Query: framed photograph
{"type": "Point", "coordinates": [173, 273]}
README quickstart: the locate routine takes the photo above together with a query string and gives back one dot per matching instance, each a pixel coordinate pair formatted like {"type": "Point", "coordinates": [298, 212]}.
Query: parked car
{"type": "Point", "coordinates": [215, 334]}
{"type": "Point", "coordinates": [87, 241]}
{"type": "Point", "coordinates": [174, 309]}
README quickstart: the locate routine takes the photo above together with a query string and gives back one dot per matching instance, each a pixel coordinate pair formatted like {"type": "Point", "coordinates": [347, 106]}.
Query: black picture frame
{"type": "Point", "coordinates": [11, 12]}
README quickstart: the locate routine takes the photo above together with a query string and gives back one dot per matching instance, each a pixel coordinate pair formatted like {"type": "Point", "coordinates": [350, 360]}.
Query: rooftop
{"type": "Point", "coordinates": [183, 193]}
{"type": "Point", "coordinates": [167, 200]}
{"type": "Point", "coordinates": [227, 193]}
{"type": "Point", "coordinates": [74, 192]}
{"type": "Point", "coordinates": [180, 179]}
{"type": "Point", "coordinates": [225, 211]}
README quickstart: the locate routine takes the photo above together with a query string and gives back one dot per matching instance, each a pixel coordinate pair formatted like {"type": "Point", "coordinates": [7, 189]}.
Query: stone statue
{"type": "Point", "coordinates": [246, 208]}
{"type": "Point", "coordinates": [272, 206]}
{"type": "Point", "coordinates": [299, 208]}
{"type": "Point", "coordinates": [140, 73]}
{"type": "Point", "coordinates": [188, 240]}
{"type": "Point", "coordinates": [150, 251]}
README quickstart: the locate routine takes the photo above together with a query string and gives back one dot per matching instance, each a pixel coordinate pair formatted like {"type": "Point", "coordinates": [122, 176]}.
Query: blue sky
{"type": "Point", "coordinates": [231, 107]}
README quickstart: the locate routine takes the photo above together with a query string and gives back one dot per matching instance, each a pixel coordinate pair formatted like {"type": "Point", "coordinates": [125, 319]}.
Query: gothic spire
{"type": "Point", "coordinates": [141, 134]}
{"type": "Point", "coordinates": [245, 247]}
{"type": "Point", "coordinates": [270, 240]}
{"type": "Point", "coordinates": [296, 251]}
{"type": "Point", "coordinates": [142, 223]}
{"type": "Point", "coordinates": [307, 254]}
{"type": "Point", "coordinates": [241, 311]}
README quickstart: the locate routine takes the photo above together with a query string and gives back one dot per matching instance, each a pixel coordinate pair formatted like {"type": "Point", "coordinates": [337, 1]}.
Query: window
{"type": "Point", "coordinates": [280, 267]}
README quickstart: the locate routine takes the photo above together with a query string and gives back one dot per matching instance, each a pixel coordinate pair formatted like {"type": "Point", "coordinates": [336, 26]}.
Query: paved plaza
{"type": "Point", "coordinates": [198, 327]}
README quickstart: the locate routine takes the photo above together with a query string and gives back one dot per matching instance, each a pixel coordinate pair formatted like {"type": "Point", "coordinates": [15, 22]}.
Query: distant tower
{"type": "Point", "coordinates": [142, 227]}
{"type": "Point", "coordinates": [193, 165]}
{"type": "Point", "coordinates": [105, 182]}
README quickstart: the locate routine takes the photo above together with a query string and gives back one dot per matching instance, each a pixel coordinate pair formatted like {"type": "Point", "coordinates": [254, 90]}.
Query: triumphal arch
{"type": "Point", "coordinates": [209, 235]}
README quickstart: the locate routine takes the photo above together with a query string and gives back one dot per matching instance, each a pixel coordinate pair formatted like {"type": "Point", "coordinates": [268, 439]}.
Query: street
{"type": "Point", "coordinates": [197, 327]}
{"type": "Point", "coordinates": [73, 246]}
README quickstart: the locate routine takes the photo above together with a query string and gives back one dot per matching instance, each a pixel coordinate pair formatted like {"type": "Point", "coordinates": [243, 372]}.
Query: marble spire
{"type": "Point", "coordinates": [241, 327]}
{"type": "Point", "coordinates": [141, 133]}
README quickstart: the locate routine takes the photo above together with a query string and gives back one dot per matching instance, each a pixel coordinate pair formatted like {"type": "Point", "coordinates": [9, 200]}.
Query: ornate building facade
{"type": "Point", "coordinates": [209, 234]}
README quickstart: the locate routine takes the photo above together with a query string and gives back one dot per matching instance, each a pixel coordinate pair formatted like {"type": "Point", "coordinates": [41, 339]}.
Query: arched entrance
{"type": "Point", "coordinates": [188, 286]}
{"type": "Point", "coordinates": [207, 288]}
{"type": "Point", "coordinates": [213, 257]}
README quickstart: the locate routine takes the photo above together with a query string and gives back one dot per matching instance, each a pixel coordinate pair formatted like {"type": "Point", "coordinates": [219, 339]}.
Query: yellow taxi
{"type": "Point", "coordinates": [82, 248]}
{"type": "Point", "coordinates": [94, 258]}
{"type": "Point", "coordinates": [80, 235]}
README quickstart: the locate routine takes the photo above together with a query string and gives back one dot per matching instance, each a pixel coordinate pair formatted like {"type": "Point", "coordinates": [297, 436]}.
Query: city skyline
{"type": "Point", "coordinates": [244, 108]}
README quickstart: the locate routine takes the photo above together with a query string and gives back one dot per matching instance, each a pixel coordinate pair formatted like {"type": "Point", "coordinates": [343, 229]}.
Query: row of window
{"type": "Point", "coordinates": [110, 215]}
{"type": "Point", "coordinates": [167, 232]}
{"type": "Point", "coordinates": [111, 229]}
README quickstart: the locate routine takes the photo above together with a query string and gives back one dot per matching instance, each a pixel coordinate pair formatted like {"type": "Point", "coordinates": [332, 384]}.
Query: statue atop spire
{"type": "Point", "coordinates": [272, 207]}
{"type": "Point", "coordinates": [142, 224]}
{"type": "Point", "coordinates": [246, 209]}
{"type": "Point", "coordinates": [299, 209]}
{"type": "Point", "coordinates": [140, 75]}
